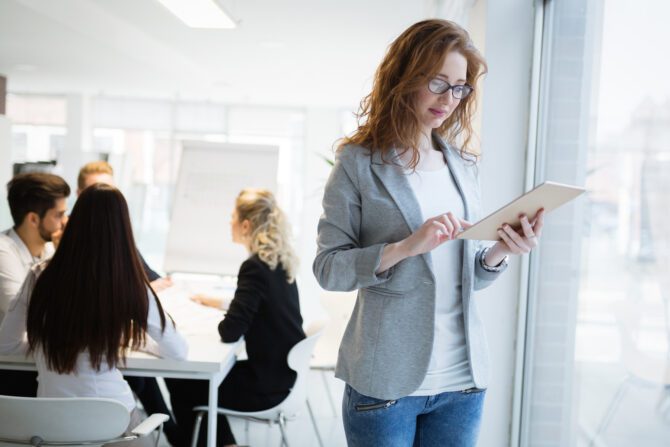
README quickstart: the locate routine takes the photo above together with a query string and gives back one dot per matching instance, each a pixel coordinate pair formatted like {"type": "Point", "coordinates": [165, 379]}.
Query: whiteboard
{"type": "Point", "coordinates": [211, 175]}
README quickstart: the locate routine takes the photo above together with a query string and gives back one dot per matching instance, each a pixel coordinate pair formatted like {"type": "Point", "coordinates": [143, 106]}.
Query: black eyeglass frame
{"type": "Point", "coordinates": [459, 91]}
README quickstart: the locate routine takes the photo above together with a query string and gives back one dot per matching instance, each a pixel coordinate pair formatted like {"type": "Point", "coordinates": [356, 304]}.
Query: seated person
{"type": "Point", "coordinates": [93, 298]}
{"type": "Point", "coordinates": [102, 172]}
{"type": "Point", "coordinates": [146, 388]}
{"type": "Point", "coordinates": [37, 203]}
{"type": "Point", "coordinates": [265, 310]}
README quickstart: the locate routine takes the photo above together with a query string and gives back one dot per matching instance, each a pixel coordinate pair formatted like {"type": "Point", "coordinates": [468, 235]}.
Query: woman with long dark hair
{"type": "Point", "coordinates": [404, 184]}
{"type": "Point", "coordinates": [87, 306]}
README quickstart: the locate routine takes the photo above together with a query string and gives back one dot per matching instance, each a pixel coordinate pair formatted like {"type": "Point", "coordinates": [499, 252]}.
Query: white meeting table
{"type": "Point", "coordinates": [208, 358]}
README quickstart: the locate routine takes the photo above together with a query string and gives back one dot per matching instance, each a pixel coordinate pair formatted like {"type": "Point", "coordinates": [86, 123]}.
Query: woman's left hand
{"type": "Point", "coordinates": [515, 242]}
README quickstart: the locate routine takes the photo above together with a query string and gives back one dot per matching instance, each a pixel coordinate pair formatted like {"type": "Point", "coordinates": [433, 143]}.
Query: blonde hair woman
{"type": "Point", "coordinates": [265, 310]}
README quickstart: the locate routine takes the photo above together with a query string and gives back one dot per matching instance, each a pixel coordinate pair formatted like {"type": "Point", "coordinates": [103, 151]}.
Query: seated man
{"type": "Point", "coordinates": [37, 202]}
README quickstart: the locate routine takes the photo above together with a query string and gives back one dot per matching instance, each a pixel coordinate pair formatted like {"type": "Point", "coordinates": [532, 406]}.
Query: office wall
{"type": "Point", "coordinates": [322, 129]}
{"type": "Point", "coordinates": [5, 169]}
{"type": "Point", "coordinates": [5, 155]}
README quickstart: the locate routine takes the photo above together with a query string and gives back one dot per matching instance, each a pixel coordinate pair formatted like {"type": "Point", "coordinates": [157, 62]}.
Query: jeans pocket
{"type": "Point", "coordinates": [473, 390]}
{"type": "Point", "coordinates": [385, 404]}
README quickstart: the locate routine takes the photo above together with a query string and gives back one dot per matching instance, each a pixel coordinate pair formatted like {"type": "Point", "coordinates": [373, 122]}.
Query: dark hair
{"type": "Point", "coordinates": [92, 296]}
{"type": "Point", "coordinates": [34, 192]}
{"type": "Point", "coordinates": [387, 117]}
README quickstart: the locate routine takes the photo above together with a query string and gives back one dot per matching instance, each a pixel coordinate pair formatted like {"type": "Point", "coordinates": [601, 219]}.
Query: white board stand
{"type": "Point", "coordinates": [211, 175]}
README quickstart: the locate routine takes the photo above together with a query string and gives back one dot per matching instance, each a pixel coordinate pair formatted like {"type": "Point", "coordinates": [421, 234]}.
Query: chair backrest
{"type": "Point", "coordinates": [72, 420]}
{"type": "Point", "coordinates": [298, 360]}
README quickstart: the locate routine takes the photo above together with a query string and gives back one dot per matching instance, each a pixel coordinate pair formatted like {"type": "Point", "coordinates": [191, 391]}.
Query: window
{"type": "Point", "coordinates": [142, 139]}
{"type": "Point", "coordinates": [597, 370]}
{"type": "Point", "coordinates": [38, 126]}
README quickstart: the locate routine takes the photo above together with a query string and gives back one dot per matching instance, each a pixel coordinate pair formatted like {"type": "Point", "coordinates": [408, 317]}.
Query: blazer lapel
{"type": "Point", "coordinates": [398, 187]}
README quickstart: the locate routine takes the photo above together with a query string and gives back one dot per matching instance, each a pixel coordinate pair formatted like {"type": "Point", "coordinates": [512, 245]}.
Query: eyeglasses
{"type": "Point", "coordinates": [440, 87]}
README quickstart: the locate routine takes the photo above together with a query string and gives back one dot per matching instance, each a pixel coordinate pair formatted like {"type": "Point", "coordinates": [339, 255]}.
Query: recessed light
{"type": "Point", "coordinates": [200, 13]}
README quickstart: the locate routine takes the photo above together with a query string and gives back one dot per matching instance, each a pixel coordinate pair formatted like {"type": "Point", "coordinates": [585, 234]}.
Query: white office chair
{"type": "Point", "coordinates": [69, 421]}
{"type": "Point", "coordinates": [298, 360]}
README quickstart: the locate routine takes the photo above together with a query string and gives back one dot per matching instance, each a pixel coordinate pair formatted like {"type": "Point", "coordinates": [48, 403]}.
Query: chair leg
{"type": "Point", "coordinates": [158, 437]}
{"type": "Point", "coordinates": [330, 397]}
{"type": "Point", "coordinates": [282, 428]}
{"type": "Point", "coordinates": [663, 404]}
{"type": "Point", "coordinates": [196, 428]}
{"type": "Point", "coordinates": [316, 429]}
{"type": "Point", "coordinates": [611, 409]}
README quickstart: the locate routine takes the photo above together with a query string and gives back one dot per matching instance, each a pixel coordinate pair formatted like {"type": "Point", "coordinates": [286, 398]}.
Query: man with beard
{"type": "Point", "coordinates": [37, 202]}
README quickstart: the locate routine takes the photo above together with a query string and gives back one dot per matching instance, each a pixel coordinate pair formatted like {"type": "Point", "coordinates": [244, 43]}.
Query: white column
{"type": "Point", "coordinates": [5, 155]}
{"type": "Point", "coordinates": [78, 140]}
{"type": "Point", "coordinates": [322, 129]}
{"type": "Point", "coordinates": [505, 111]}
{"type": "Point", "coordinates": [5, 169]}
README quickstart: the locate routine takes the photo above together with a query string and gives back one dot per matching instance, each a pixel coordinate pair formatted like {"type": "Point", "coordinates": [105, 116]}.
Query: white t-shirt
{"type": "Point", "coordinates": [449, 368]}
{"type": "Point", "coordinates": [86, 381]}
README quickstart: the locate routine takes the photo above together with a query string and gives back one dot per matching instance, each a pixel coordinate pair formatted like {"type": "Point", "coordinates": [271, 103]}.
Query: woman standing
{"type": "Point", "coordinates": [265, 310]}
{"type": "Point", "coordinates": [88, 305]}
{"type": "Point", "coordinates": [414, 353]}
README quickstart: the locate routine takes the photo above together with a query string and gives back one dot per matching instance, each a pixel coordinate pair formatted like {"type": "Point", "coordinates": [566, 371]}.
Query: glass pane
{"type": "Point", "coordinates": [599, 373]}
{"type": "Point", "coordinates": [622, 365]}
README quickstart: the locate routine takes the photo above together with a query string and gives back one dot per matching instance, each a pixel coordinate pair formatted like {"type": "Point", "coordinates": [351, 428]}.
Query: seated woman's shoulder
{"type": "Point", "coordinates": [255, 266]}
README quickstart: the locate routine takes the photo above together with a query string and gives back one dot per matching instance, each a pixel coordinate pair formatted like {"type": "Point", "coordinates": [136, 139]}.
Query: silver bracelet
{"type": "Point", "coordinates": [493, 269]}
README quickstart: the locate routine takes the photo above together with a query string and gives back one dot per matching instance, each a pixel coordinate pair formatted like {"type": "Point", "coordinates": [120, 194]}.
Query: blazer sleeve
{"type": "Point", "coordinates": [250, 293]}
{"type": "Point", "coordinates": [151, 275]}
{"type": "Point", "coordinates": [341, 262]}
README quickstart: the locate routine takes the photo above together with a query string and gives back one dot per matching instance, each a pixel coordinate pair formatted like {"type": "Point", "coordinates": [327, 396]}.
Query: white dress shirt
{"type": "Point", "coordinates": [15, 262]}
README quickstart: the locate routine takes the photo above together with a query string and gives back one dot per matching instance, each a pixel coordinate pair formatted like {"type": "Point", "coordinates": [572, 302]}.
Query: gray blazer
{"type": "Point", "coordinates": [388, 341]}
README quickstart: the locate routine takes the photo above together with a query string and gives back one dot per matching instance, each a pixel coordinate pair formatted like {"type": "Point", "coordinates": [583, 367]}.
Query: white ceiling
{"type": "Point", "coordinates": [284, 52]}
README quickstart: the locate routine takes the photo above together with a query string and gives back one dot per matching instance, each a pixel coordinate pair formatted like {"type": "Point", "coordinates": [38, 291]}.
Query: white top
{"type": "Point", "coordinates": [449, 368]}
{"type": "Point", "coordinates": [86, 382]}
{"type": "Point", "coordinates": [15, 262]}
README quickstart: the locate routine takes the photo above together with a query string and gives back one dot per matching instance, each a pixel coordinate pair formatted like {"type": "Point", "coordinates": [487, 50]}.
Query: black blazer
{"type": "Point", "coordinates": [266, 311]}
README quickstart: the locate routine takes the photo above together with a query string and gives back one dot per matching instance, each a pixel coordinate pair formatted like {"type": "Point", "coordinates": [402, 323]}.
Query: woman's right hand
{"type": "Point", "coordinates": [206, 300]}
{"type": "Point", "coordinates": [434, 232]}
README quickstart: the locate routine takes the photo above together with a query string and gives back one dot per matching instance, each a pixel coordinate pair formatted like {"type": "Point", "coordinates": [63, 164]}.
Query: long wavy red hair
{"type": "Point", "coordinates": [387, 117]}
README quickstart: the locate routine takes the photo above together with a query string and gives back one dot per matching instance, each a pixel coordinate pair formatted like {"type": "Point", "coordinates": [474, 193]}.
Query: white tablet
{"type": "Point", "coordinates": [548, 195]}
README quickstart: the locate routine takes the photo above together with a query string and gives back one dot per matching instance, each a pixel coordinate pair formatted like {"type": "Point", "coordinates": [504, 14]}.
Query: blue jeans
{"type": "Point", "coordinates": [444, 420]}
